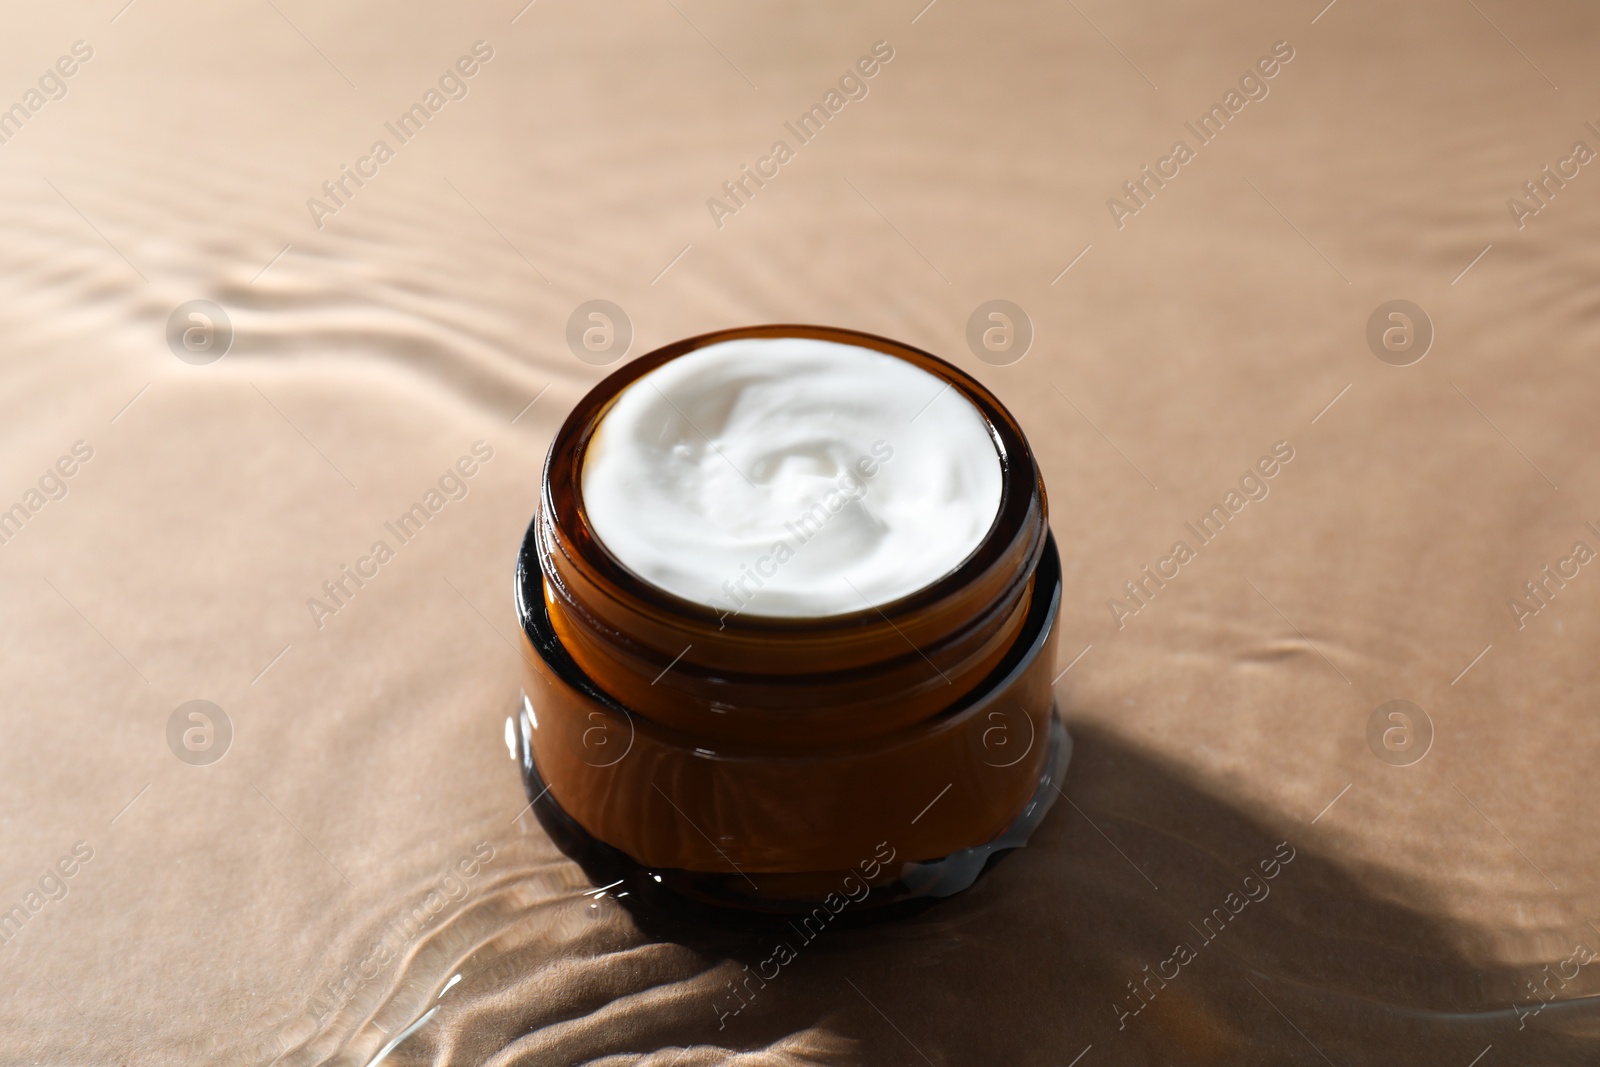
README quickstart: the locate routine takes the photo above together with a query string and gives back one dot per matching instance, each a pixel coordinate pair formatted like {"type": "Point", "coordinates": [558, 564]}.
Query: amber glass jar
{"type": "Point", "coordinates": [758, 762]}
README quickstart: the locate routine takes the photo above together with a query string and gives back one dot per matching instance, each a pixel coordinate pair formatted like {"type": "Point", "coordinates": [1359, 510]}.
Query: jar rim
{"type": "Point", "coordinates": [1019, 479]}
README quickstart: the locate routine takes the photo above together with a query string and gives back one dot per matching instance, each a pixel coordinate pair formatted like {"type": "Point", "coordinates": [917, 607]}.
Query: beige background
{"type": "Point", "coordinates": [257, 908]}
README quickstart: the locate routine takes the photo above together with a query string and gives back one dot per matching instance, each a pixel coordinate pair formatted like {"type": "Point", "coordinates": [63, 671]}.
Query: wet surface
{"type": "Point", "coordinates": [341, 861]}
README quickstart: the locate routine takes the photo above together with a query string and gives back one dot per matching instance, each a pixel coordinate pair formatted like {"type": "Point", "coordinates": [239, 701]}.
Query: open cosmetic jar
{"type": "Point", "coordinates": [859, 718]}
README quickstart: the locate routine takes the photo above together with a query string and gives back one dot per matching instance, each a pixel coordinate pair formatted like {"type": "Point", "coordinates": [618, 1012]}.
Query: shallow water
{"type": "Point", "coordinates": [304, 899]}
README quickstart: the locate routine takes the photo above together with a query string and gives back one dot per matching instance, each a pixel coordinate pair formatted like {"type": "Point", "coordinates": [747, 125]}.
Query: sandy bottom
{"type": "Point", "coordinates": [356, 861]}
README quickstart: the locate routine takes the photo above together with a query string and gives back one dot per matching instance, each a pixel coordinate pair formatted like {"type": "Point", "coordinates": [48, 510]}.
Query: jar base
{"type": "Point", "coordinates": [657, 895]}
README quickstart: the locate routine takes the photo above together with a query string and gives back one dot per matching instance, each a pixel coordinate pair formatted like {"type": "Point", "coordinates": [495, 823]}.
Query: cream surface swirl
{"type": "Point", "coordinates": [791, 477]}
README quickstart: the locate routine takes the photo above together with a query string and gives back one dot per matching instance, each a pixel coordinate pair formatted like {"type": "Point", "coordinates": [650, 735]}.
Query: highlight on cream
{"type": "Point", "coordinates": [791, 477]}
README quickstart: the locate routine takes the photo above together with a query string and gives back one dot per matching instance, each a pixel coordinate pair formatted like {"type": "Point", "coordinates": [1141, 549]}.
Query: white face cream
{"type": "Point", "coordinates": [791, 477]}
